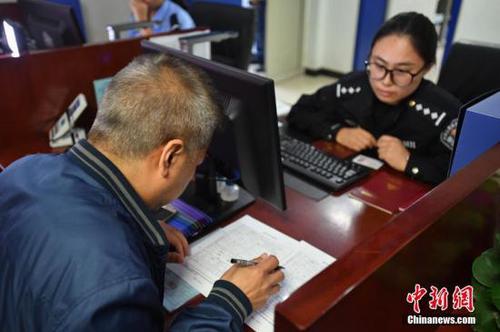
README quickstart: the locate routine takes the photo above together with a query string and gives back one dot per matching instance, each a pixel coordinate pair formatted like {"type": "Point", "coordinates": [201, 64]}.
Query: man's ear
{"type": "Point", "coordinates": [169, 154]}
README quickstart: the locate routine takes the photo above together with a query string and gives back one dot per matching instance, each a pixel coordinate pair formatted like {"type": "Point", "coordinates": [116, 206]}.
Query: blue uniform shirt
{"type": "Point", "coordinates": [165, 16]}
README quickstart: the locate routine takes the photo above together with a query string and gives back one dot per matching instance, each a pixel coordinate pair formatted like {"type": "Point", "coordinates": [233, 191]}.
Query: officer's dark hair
{"type": "Point", "coordinates": [418, 28]}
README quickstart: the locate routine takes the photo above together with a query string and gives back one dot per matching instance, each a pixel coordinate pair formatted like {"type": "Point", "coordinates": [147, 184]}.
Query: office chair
{"type": "Point", "coordinates": [232, 52]}
{"type": "Point", "coordinates": [471, 70]}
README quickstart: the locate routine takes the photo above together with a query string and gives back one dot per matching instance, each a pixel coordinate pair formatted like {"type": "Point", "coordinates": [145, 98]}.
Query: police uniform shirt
{"type": "Point", "coordinates": [424, 121]}
{"type": "Point", "coordinates": [169, 16]}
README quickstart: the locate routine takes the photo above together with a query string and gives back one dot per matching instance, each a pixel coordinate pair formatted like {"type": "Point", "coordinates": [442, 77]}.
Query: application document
{"type": "Point", "coordinates": [248, 238]}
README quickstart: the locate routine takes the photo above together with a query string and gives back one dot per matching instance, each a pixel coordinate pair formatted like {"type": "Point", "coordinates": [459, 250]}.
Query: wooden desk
{"type": "Point", "coordinates": [381, 257]}
{"type": "Point", "coordinates": [363, 238]}
{"type": "Point", "coordinates": [432, 243]}
{"type": "Point", "coordinates": [10, 11]}
{"type": "Point", "coordinates": [39, 86]}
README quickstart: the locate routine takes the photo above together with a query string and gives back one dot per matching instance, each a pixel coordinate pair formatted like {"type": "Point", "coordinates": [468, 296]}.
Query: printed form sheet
{"type": "Point", "coordinates": [247, 238]}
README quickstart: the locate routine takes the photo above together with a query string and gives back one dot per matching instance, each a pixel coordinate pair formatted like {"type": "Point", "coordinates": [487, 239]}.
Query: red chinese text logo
{"type": "Point", "coordinates": [462, 298]}
{"type": "Point", "coordinates": [415, 297]}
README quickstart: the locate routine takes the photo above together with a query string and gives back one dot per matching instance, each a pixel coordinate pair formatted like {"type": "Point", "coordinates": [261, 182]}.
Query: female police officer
{"type": "Point", "coordinates": [389, 107]}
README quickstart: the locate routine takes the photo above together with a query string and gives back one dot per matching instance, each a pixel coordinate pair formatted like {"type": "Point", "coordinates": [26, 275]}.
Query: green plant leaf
{"type": "Point", "coordinates": [495, 296]}
{"type": "Point", "coordinates": [487, 315]}
{"type": "Point", "coordinates": [486, 268]}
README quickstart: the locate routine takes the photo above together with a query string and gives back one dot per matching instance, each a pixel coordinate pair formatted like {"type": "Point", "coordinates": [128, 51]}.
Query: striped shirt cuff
{"type": "Point", "coordinates": [231, 298]}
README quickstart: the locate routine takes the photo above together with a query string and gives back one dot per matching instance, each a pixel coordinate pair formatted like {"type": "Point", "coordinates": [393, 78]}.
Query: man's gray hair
{"type": "Point", "coordinates": [152, 100]}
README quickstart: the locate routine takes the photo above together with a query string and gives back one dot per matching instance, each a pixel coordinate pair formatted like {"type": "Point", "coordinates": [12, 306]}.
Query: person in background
{"type": "Point", "coordinates": [80, 247]}
{"type": "Point", "coordinates": [170, 15]}
{"type": "Point", "coordinates": [406, 120]}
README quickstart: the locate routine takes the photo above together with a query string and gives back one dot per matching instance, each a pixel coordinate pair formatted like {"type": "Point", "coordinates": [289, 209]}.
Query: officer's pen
{"type": "Point", "coordinates": [244, 262]}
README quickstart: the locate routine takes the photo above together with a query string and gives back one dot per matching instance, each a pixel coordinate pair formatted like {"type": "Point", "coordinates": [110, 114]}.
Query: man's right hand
{"type": "Point", "coordinates": [356, 139]}
{"type": "Point", "coordinates": [259, 281]}
{"type": "Point", "coordinates": [139, 9]}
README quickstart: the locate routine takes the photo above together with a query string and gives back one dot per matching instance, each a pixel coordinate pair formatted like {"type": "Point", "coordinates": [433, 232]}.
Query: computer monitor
{"type": "Point", "coordinates": [478, 129]}
{"type": "Point", "coordinates": [50, 24]}
{"type": "Point", "coordinates": [248, 145]}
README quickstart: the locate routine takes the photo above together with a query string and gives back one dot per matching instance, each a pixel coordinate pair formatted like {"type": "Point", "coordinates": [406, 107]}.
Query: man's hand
{"type": "Point", "coordinates": [178, 241]}
{"type": "Point", "coordinates": [139, 9]}
{"type": "Point", "coordinates": [258, 282]}
{"type": "Point", "coordinates": [393, 152]}
{"type": "Point", "coordinates": [356, 139]}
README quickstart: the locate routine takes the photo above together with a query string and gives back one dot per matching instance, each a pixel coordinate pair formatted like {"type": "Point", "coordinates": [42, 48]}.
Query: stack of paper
{"type": "Point", "coordinates": [248, 238]}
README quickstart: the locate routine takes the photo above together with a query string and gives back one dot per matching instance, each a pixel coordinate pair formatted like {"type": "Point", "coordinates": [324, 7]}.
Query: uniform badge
{"type": "Point", "coordinates": [448, 134]}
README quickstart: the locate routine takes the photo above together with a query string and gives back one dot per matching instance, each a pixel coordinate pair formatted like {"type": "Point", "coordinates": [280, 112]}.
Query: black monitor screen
{"type": "Point", "coordinates": [51, 25]}
{"type": "Point", "coordinates": [247, 147]}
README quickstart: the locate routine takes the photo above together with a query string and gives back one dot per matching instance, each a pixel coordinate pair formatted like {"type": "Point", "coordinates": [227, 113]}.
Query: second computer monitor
{"type": "Point", "coordinates": [50, 24]}
{"type": "Point", "coordinates": [478, 129]}
{"type": "Point", "coordinates": [248, 147]}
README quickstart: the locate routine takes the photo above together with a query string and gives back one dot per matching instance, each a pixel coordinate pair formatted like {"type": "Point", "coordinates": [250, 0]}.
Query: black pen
{"type": "Point", "coordinates": [244, 262]}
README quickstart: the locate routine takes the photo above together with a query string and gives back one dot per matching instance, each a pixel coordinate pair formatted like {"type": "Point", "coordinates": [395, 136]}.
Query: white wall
{"type": "Point", "coordinates": [330, 28]}
{"type": "Point", "coordinates": [479, 21]}
{"type": "Point", "coordinates": [99, 13]}
{"type": "Point", "coordinates": [283, 55]}
{"type": "Point", "coordinates": [330, 34]}
{"type": "Point", "coordinates": [426, 7]}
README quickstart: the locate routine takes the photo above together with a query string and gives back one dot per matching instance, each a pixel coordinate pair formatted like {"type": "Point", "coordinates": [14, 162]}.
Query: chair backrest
{"type": "Point", "coordinates": [471, 70]}
{"type": "Point", "coordinates": [234, 52]}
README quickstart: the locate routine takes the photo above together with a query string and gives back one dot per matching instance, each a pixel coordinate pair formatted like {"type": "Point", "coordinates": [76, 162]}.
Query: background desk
{"type": "Point", "coordinates": [380, 256]}
{"type": "Point", "coordinates": [38, 87]}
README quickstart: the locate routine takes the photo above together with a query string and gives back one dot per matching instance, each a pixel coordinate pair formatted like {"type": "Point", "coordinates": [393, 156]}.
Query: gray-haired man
{"type": "Point", "coordinates": [79, 248]}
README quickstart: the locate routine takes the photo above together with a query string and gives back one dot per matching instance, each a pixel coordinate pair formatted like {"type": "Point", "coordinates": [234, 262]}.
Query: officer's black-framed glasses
{"type": "Point", "coordinates": [401, 78]}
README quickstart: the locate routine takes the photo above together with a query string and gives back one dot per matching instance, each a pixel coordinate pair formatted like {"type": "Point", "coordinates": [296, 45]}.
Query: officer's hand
{"type": "Point", "coordinates": [393, 152]}
{"type": "Point", "coordinates": [258, 282]}
{"type": "Point", "coordinates": [139, 9]}
{"type": "Point", "coordinates": [178, 241]}
{"type": "Point", "coordinates": [356, 139]}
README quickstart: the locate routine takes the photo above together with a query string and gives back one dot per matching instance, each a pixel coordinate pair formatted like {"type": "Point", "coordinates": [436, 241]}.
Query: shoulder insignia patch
{"type": "Point", "coordinates": [448, 134]}
{"type": "Point", "coordinates": [347, 90]}
{"type": "Point", "coordinates": [437, 117]}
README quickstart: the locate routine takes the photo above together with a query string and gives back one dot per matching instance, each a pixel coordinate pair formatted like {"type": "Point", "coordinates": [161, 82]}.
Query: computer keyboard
{"type": "Point", "coordinates": [331, 172]}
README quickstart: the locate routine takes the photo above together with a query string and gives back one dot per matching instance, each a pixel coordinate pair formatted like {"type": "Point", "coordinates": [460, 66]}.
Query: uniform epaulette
{"type": "Point", "coordinates": [428, 110]}
{"type": "Point", "coordinates": [434, 103]}
{"type": "Point", "coordinates": [347, 89]}
{"type": "Point", "coordinates": [352, 85]}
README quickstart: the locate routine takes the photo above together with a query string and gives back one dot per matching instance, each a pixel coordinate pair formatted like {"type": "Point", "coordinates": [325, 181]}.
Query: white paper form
{"type": "Point", "coordinates": [247, 238]}
{"type": "Point", "coordinates": [306, 262]}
